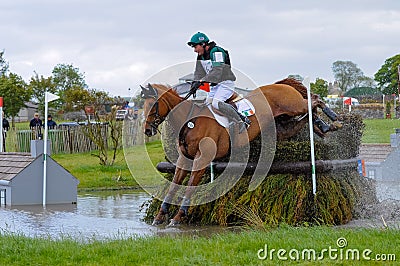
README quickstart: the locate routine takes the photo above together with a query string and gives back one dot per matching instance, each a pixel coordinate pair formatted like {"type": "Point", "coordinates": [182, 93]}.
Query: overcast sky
{"type": "Point", "coordinates": [119, 44]}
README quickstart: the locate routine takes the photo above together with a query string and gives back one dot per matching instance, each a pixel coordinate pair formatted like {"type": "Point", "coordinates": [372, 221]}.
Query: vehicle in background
{"type": "Point", "coordinates": [120, 115]}
{"type": "Point", "coordinates": [340, 102]}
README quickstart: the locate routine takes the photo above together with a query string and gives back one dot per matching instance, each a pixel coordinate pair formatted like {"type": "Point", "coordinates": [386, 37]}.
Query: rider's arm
{"type": "Point", "coordinates": [199, 71]}
{"type": "Point", "coordinates": [219, 70]}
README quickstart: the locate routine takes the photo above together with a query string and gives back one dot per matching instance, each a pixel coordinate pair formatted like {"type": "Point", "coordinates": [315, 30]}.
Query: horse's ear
{"type": "Point", "coordinates": [144, 93]}
{"type": "Point", "coordinates": [152, 91]}
{"type": "Point", "coordinates": [148, 92]}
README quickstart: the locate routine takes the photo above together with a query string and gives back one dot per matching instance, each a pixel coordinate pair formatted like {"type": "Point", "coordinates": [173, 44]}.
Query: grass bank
{"type": "Point", "coordinates": [379, 130]}
{"type": "Point", "coordinates": [93, 176]}
{"type": "Point", "coordinates": [222, 249]}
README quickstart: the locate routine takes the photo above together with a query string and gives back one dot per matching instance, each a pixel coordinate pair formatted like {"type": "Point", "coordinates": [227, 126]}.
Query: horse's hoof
{"type": "Point", "coordinates": [174, 223]}
{"type": "Point", "coordinates": [157, 222]}
{"type": "Point", "coordinates": [337, 124]}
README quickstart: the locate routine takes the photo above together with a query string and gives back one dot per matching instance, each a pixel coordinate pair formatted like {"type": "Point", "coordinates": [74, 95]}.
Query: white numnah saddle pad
{"type": "Point", "coordinates": [244, 106]}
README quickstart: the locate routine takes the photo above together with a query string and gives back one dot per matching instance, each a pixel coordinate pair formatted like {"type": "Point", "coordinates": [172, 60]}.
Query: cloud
{"type": "Point", "coordinates": [121, 43]}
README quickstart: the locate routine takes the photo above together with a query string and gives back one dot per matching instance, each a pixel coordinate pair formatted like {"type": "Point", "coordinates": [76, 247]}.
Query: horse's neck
{"type": "Point", "coordinates": [187, 110]}
{"type": "Point", "coordinates": [172, 102]}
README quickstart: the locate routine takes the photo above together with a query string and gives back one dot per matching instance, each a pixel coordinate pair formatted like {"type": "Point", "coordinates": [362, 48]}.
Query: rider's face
{"type": "Point", "coordinates": [199, 49]}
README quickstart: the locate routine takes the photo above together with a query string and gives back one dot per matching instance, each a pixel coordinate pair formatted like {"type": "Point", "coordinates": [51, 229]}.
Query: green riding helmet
{"type": "Point", "coordinates": [198, 38]}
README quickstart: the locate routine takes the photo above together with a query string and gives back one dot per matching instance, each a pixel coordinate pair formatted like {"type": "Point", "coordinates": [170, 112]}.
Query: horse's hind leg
{"type": "Point", "coordinates": [329, 113]}
{"type": "Point", "coordinates": [317, 102]}
{"type": "Point", "coordinates": [324, 127]}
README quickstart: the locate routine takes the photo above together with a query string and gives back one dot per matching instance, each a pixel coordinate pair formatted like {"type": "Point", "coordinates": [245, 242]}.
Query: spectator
{"type": "Point", "coordinates": [36, 124]}
{"type": "Point", "coordinates": [131, 114]}
{"type": "Point", "coordinates": [51, 124]}
{"type": "Point", "coordinates": [6, 127]}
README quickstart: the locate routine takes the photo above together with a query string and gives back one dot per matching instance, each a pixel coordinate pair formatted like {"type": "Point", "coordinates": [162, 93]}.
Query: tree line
{"type": "Point", "coordinates": [348, 76]}
{"type": "Point", "coordinates": [66, 81]}
{"type": "Point", "coordinates": [69, 83]}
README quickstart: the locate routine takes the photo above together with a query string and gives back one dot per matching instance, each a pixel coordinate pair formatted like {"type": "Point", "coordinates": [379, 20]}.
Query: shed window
{"type": "Point", "coordinates": [2, 196]}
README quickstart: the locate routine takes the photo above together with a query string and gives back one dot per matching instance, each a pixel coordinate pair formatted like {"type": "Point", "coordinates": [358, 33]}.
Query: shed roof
{"type": "Point", "coordinates": [375, 152]}
{"type": "Point", "coordinates": [11, 164]}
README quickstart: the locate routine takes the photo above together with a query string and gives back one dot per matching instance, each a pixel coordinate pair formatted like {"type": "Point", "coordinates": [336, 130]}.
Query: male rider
{"type": "Point", "coordinates": [213, 66]}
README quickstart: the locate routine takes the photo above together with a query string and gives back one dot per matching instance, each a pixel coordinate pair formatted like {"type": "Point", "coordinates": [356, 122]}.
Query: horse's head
{"type": "Point", "coordinates": [156, 107]}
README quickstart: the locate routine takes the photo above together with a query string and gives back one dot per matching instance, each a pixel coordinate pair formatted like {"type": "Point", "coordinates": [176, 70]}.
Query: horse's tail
{"type": "Point", "coordinates": [295, 84]}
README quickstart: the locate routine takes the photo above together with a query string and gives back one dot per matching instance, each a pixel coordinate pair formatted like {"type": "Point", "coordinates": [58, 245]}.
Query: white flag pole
{"type": "Point", "coordinates": [306, 83]}
{"type": "Point", "coordinates": [48, 97]}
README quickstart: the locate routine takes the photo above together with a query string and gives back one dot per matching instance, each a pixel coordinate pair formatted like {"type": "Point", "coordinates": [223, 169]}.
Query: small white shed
{"type": "Point", "coordinates": [21, 179]}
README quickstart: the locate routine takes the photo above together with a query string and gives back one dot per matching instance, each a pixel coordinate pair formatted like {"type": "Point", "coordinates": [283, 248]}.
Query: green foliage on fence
{"type": "Point", "coordinates": [288, 197]}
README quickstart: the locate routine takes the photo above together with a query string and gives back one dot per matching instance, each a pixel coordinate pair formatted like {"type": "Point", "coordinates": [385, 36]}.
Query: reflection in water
{"type": "Point", "coordinates": [388, 190]}
{"type": "Point", "coordinates": [97, 215]}
{"type": "Point", "coordinates": [119, 214]}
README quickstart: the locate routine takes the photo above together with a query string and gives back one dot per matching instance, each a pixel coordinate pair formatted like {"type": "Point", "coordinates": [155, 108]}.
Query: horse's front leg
{"type": "Point", "coordinates": [194, 180]}
{"type": "Point", "coordinates": [179, 176]}
{"type": "Point", "coordinates": [206, 152]}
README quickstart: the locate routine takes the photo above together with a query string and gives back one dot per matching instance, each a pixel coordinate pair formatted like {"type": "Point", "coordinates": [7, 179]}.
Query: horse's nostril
{"type": "Point", "coordinates": [148, 132]}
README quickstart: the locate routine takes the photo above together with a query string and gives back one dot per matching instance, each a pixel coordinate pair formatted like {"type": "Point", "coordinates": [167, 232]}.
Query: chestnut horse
{"type": "Point", "coordinates": [288, 109]}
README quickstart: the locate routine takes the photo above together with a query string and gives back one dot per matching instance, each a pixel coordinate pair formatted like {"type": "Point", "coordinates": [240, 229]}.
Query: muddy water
{"type": "Point", "coordinates": [97, 215]}
{"type": "Point", "coordinates": [118, 215]}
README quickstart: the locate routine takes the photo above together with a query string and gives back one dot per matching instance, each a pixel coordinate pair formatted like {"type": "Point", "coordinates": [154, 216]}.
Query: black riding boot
{"type": "Point", "coordinates": [321, 125]}
{"type": "Point", "coordinates": [231, 112]}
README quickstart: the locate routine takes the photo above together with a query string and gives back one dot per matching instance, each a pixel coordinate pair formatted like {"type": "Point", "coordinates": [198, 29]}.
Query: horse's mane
{"type": "Point", "coordinates": [295, 84]}
{"type": "Point", "coordinates": [165, 88]}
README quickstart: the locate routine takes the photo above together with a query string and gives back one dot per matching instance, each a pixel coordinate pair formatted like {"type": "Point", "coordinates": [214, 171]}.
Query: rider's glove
{"type": "Point", "coordinates": [194, 87]}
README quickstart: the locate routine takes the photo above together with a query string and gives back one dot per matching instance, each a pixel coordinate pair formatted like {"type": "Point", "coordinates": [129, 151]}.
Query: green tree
{"type": "Point", "coordinates": [66, 77]}
{"type": "Point", "coordinates": [387, 75]}
{"type": "Point", "coordinates": [365, 81]}
{"type": "Point", "coordinates": [15, 93]}
{"type": "Point", "coordinates": [38, 86]}
{"type": "Point", "coordinates": [138, 101]}
{"type": "Point", "coordinates": [77, 98]}
{"type": "Point", "coordinates": [3, 64]}
{"type": "Point", "coordinates": [347, 74]}
{"type": "Point", "coordinates": [320, 87]}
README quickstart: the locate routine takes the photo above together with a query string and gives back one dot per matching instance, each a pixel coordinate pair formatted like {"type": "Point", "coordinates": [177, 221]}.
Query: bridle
{"type": "Point", "coordinates": [158, 119]}
{"type": "Point", "coordinates": [148, 93]}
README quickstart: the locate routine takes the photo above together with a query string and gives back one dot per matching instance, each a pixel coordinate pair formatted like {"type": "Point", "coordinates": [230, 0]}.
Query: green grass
{"type": "Point", "coordinates": [379, 130]}
{"type": "Point", "coordinates": [92, 175]}
{"type": "Point", "coordinates": [218, 249]}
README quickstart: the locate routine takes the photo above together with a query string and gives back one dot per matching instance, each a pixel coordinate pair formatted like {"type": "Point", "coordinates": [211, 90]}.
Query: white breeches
{"type": "Point", "coordinates": [220, 92]}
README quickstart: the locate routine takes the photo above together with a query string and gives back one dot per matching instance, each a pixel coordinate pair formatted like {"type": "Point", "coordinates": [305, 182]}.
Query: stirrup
{"type": "Point", "coordinates": [243, 126]}
{"type": "Point", "coordinates": [247, 121]}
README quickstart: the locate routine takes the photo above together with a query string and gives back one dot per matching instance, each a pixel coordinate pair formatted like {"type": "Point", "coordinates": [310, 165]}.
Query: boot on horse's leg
{"type": "Point", "coordinates": [162, 213]}
{"type": "Point", "coordinates": [183, 210]}
{"type": "Point", "coordinates": [231, 112]}
{"type": "Point", "coordinates": [330, 113]}
{"type": "Point", "coordinates": [324, 127]}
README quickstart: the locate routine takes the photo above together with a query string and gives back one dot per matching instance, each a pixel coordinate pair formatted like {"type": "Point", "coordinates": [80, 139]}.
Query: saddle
{"type": "Point", "coordinates": [234, 98]}
{"type": "Point", "coordinates": [242, 105]}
